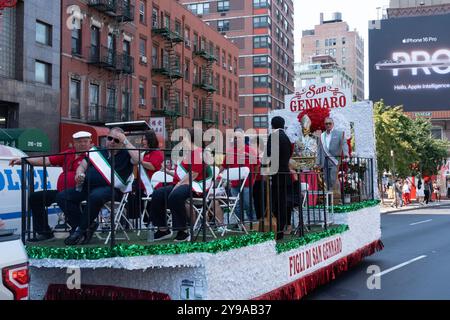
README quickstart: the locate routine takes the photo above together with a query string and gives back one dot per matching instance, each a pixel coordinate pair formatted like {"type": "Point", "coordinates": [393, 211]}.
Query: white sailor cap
{"type": "Point", "coordinates": [81, 134]}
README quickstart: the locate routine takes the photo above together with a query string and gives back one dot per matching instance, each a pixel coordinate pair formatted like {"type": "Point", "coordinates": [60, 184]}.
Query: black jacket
{"type": "Point", "coordinates": [284, 151]}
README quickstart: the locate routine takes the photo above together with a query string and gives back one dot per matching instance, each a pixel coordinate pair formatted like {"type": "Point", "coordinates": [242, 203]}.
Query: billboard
{"type": "Point", "coordinates": [409, 63]}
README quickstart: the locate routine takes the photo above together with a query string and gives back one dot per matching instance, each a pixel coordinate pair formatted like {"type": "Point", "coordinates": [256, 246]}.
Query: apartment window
{"type": "Point", "coordinates": [223, 6]}
{"type": "Point", "coordinates": [262, 101]}
{"type": "Point", "coordinates": [154, 57]}
{"type": "Point", "coordinates": [261, 81]}
{"type": "Point", "coordinates": [43, 72]}
{"type": "Point", "coordinates": [224, 114]}
{"type": "Point", "coordinates": [437, 132]}
{"type": "Point", "coordinates": [75, 98]}
{"type": "Point", "coordinates": [76, 41]}
{"type": "Point", "coordinates": [261, 22]}
{"type": "Point", "coordinates": [261, 4]}
{"type": "Point", "coordinates": [43, 33]}
{"type": "Point", "coordinates": [95, 42]}
{"type": "Point", "coordinates": [178, 27]}
{"type": "Point", "coordinates": [224, 86]}
{"type": "Point", "coordinates": [224, 59]}
{"type": "Point", "coordinates": [230, 66]}
{"type": "Point", "coordinates": [196, 44]}
{"type": "Point", "coordinates": [94, 94]}
{"type": "Point", "coordinates": [223, 25]}
{"type": "Point", "coordinates": [217, 83]}
{"type": "Point", "coordinates": [154, 96]}
{"type": "Point", "coordinates": [236, 92]}
{"type": "Point", "coordinates": [142, 47]}
{"type": "Point", "coordinates": [142, 92]}
{"type": "Point", "coordinates": [195, 108]}
{"type": "Point", "coordinates": [217, 55]}
{"type": "Point", "coordinates": [187, 37]}
{"type": "Point", "coordinates": [199, 8]}
{"type": "Point", "coordinates": [230, 89]}
{"type": "Point", "coordinates": [111, 98]}
{"type": "Point", "coordinates": [187, 70]}
{"type": "Point", "coordinates": [261, 42]}
{"type": "Point", "coordinates": [186, 105]}
{"type": "Point", "coordinates": [155, 15]}
{"type": "Point", "coordinates": [142, 6]}
{"type": "Point", "coordinates": [343, 40]}
{"type": "Point", "coordinates": [262, 62]}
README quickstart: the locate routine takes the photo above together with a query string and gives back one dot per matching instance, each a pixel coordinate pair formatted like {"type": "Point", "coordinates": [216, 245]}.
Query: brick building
{"type": "Point", "coordinates": [29, 73]}
{"type": "Point", "coordinates": [182, 54]}
{"type": "Point", "coordinates": [97, 65]}
{"type": "Point", "coordinates": [333, 37]}
{"type": "Point", "coordinates": [263, 32]}
{"type": "Point", "coordinates": [134, 61]}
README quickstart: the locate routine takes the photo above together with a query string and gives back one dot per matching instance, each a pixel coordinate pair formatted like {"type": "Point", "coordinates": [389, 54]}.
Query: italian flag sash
{"type": "Point", "coordinates": [197, 186]}
{"type": "Point", "coordinates": [145, 179]}
{"type": "Point", "coordinates": [325, 149]}
{"type": "Point", "coordinates": [104, 168]}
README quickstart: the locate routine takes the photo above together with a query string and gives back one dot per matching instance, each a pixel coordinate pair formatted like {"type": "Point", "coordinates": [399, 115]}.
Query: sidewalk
{"type": "Point", "coordinates": [386, 207]}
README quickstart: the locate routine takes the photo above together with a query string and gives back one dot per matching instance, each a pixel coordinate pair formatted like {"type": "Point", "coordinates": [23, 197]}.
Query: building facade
{"type": "Point", "coordinates": [323, 69]}
{"type": "Point", "coordinates": [333, 37]}
{"type": "Point", "coordinates": [193, 68]}
{"type": "Point", "coordinates": [30, 68]}
{"type": "Point", "coordinates": [263, 32]}
{"type": "Point", "coordinates": [142, 60]}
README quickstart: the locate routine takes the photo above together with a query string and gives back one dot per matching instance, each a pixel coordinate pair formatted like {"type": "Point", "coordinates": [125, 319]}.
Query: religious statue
{"type": "Point", "coordinates": [306, 146]}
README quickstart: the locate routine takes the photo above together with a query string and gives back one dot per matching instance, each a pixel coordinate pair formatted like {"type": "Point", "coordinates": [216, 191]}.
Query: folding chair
{"type": "Point", "coordinates": [120, 213]}
{"type": "Point", "coordinates": [157, 178]}
{"type": "Point", "coordinates": [197, 203]}
{"type": "Point", "coordinates": [233, 174]}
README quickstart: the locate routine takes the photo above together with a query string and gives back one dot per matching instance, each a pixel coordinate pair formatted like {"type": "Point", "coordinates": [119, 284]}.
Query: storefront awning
{"type": "Point", "coordinates": [27, 140]}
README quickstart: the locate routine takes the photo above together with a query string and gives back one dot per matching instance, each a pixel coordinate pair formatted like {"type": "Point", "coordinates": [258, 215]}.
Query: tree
{"type": "Point", "coordinates": [411, 141]}
{"type": "Point", "coordinates": [392, 130]}
{"type": "Point", "coordinates": [431, 151]}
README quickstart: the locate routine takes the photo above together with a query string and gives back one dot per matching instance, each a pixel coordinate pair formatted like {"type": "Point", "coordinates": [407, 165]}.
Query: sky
{"type": "Point", "coordinates": [356, 13]}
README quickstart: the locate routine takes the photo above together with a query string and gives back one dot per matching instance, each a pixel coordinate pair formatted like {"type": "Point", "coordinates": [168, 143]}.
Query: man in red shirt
{"type": "Point", "coordinates": [69, 161]}
{"type": "Point", "coordinates": [243, 156]}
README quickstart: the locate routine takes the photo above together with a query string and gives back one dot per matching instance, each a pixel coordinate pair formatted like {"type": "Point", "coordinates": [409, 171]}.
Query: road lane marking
{"type": "Point", "coordinates": [399, 266]}
{"type": "Point", "coordinates": [413, 224]}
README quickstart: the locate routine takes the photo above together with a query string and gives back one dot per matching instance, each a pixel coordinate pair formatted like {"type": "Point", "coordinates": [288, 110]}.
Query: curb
{"type": "Point", "coordinates": [415, 208]}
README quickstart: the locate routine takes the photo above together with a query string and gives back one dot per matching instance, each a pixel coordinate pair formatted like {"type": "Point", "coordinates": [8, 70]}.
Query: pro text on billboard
{"type": "Point", "coordinates": [410, 63]}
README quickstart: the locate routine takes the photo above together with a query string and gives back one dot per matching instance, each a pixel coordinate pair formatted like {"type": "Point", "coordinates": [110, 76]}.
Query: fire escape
{"type": "Point", "coordinates": [119, 64]}
{"type": "Point", "coordinates": [205, 83]}
{"type": "Point", "coordinates": [169, 71]}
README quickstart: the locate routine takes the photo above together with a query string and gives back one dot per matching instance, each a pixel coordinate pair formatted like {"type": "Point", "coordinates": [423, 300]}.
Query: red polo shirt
{"type": "Point", "coordinates": [245, 156]}
{"type": "Point", "coordinates": [196, 167]}
{"type": "Point", "coordinates": [69, 162]}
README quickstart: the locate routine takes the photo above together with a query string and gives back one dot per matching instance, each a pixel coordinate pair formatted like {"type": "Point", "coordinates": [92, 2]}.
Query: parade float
{"type": "Point", "coordinates": [246, 266]}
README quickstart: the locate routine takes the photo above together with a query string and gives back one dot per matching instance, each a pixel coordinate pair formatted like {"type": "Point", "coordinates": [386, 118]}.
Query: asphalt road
{"type": "Point", "coordinates": [414, 264]}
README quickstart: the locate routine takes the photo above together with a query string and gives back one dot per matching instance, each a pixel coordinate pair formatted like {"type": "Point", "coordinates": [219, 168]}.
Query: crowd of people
{"type": "Point", "coordinates": [426, 190]}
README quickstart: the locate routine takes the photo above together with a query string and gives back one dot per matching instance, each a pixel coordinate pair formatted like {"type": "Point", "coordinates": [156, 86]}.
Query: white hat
{"type": "Point", "coordinates": [81, 134]}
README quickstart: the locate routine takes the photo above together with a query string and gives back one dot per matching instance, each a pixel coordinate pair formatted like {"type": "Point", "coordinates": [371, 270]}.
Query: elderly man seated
{"type": "Point", "coordinates": [94, 185]}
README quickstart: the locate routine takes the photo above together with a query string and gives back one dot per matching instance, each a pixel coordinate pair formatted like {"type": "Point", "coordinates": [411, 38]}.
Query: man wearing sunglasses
{"type": "Point", "coordinates": [94, 185]}
{"type": "Point", "coordinates": [332, 149]}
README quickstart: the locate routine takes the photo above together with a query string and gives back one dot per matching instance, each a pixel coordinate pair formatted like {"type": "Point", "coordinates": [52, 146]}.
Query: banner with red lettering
{"type": "Point", "coordinates": [318, 96]}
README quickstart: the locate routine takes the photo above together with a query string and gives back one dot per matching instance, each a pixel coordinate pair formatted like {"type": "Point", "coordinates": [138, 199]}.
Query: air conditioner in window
{"type": "Point", "coordinates": [143, 102]}
{"type": "Point", "coordinates": [231, 68]}
{"type": "Point", "coordinates": [224, 65]}
{"type": "Point", "coordinates": [226, 122]}
{"type": "Point", "coordinates": [143, 59]}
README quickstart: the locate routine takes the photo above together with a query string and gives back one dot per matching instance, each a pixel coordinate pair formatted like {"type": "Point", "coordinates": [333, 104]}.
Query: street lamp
{"type": "Point", "coordinates": [393, 177]}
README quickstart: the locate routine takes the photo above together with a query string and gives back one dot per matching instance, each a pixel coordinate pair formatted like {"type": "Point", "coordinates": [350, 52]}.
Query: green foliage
{"type": "Point", "coordinates": [411, 141]}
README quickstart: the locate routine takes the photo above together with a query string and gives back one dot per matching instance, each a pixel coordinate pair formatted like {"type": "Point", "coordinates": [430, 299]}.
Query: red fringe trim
{"type": "Point", "coordinates": [301, 287]}
{"type": "Point", "coordinates": [90, 292]}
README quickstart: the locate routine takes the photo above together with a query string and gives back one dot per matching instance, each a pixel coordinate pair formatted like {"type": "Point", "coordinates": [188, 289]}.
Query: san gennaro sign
{"type": "Point", "coordinates": [318, 96]}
